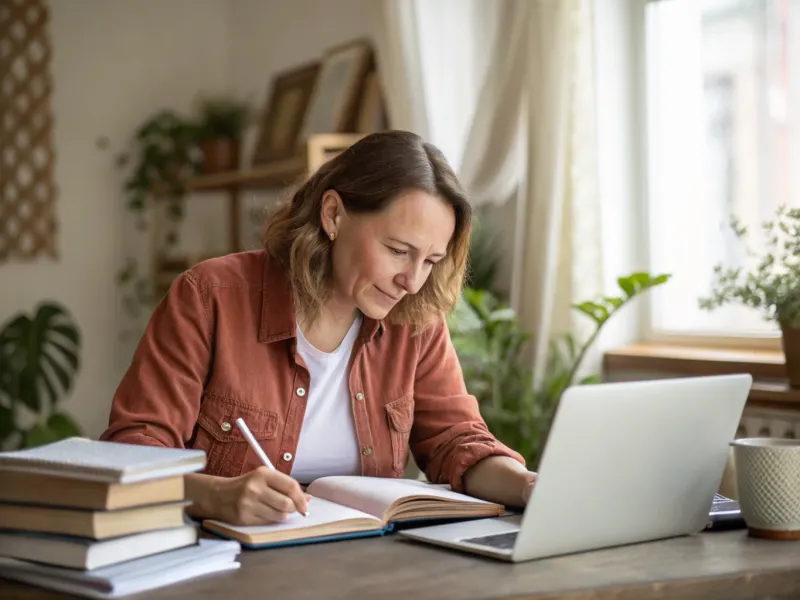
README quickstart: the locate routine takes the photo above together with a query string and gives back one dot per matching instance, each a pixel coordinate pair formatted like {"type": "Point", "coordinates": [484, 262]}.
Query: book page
{"type": "Point", "coordinates": [320, 511]}
{"type": "Point", "coordinates": [374, 495]}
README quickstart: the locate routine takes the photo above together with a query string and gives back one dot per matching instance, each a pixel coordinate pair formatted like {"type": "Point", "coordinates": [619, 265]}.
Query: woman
{"type": "Point", "coordinates": [330, 343]}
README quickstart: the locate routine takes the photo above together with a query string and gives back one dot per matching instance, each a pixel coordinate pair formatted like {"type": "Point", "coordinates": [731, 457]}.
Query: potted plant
{"type": "Point", "coordinates": [39, 359]}
{"type": "Point", "coordinates": [772, 286]}
{"type": "Point", "coordinates": [221, 123]}
{"type": "Point", "coordinates": [492, 349]}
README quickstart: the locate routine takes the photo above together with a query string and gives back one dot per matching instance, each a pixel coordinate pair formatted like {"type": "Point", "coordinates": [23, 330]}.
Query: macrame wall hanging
{"type": "Point", "coordinates": [28, 226]}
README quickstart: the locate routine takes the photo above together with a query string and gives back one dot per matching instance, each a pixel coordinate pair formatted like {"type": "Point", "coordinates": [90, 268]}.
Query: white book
{"type": "Point", "coordinates": [84, 553]}
{"type": "Point", "coordinates": [114, 462]}
{"type": "Point", "coordinates": [204, 558]}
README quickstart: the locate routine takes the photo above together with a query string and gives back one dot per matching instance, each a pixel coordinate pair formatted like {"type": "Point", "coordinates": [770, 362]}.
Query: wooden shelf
{"type": "Point", "coordinates": [274, 175]}
{"type": "Point", "coordinates": [266, 177]}
{"type": "Point", "coordinates": [277, 175]}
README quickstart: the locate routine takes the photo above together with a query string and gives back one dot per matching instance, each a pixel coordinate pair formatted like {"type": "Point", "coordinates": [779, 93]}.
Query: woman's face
{"type": "Point", "coordinates": [380, 257]}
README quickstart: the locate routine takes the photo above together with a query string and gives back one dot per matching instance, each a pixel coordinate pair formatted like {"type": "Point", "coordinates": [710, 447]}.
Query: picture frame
{"type": "Point", "coordinates": [372, 115]}
{"type": "Point", "coordinates": [336, 98]}
{"type": "Point", "coordinates": [283, 115]}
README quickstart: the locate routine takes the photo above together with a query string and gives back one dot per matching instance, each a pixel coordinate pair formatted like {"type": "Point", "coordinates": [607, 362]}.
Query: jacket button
{"type": "Point", "coordinates": [366, 451]}
{"type": "Point", "coordinates": [301, 391]}
{"type": "Point", "coordinates": [225, 426]}
{"type": "Point", "coordinates": [359, 396]}
{"type": "Point", "coordinates": [287, 456]}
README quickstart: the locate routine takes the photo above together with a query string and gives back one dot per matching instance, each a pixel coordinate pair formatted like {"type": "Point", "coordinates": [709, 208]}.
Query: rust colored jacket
{"type": "Point", "coordinates": [221, 345]}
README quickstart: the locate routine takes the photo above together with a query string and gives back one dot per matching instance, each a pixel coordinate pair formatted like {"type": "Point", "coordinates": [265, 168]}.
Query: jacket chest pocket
{"type": "Point", "coordinates": [400, 415]}
{"type": "Point", "coordinates": [217, 433]}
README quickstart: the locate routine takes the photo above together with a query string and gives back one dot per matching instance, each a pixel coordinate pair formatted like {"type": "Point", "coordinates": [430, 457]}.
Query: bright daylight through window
{"type": "Point", "coordinates": [722, 102]}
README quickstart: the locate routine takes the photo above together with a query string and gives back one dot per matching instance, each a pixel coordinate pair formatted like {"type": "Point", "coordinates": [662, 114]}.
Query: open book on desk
{"type": "Point", "coordinates": [354, 506]}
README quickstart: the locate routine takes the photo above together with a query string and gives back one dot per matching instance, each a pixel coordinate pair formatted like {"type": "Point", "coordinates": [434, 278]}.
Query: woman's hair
{"type": "Point", "coordinates": [368, 176]}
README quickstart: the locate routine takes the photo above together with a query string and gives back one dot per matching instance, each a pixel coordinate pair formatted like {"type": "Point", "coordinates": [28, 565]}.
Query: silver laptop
{"type": "Point", "coordinates": [624, 463]}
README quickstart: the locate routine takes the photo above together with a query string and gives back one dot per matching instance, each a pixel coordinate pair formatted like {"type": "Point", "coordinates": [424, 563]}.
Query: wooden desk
{"type": "Point", "coordinates": [709, 566]}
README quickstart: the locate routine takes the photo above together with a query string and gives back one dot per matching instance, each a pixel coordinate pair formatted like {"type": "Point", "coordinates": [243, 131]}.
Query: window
{"type": "Point", "coordinates": [722, 120]}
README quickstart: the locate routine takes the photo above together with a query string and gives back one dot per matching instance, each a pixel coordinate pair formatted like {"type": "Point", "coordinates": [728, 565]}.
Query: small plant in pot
{"type": "Point", "coordinates": [772, 286]}
{"type": "Point", "coordinates": [221, 122]}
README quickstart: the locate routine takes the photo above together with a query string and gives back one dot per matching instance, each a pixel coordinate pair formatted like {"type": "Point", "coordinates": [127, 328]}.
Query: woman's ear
{"type": "Point", "coordinates": [331, 211]}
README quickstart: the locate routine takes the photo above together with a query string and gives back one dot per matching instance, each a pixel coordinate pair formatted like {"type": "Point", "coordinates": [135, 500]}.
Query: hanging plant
{"type": "Point", "coordinates": [164, 154]}
{"type": "Point", "coordinates": [166, 150]}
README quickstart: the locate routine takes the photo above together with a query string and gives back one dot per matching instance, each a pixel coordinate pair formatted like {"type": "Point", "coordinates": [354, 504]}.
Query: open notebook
{"type": "Point", "coordinates": [355, 506]}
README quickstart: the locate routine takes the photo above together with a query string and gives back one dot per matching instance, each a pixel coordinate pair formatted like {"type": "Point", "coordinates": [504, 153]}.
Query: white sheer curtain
{"type": "Point", "coordinates": [400, 57]}
{"type": "Point", "coordinates": [505, 89]}
{"type": "Point", "coordinates": [450, 77]}
{"type": "Point", "coordinates": [559, 258]}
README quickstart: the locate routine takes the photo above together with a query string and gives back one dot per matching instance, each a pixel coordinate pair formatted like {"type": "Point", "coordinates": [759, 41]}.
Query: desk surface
{"type": "Point", "coordinates": [712, 565]}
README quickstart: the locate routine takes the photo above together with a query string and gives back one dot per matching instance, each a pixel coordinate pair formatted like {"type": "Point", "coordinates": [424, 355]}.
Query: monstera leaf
{"type": "Point", "coordinates": [39, 358]}
{"type": "Point", "coordinates": [57, 427]}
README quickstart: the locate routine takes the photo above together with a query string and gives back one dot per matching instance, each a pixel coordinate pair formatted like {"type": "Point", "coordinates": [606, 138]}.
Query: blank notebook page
{"type": "Point", "coordinates": [320, 511]}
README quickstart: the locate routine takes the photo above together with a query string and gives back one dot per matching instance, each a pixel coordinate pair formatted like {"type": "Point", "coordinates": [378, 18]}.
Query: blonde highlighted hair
{"type": "Point", "coordinates": [368, 176]}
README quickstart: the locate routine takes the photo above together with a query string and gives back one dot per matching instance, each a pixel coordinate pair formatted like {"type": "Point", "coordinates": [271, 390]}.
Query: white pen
{"type": "Point", "coordinates": [256, 447]}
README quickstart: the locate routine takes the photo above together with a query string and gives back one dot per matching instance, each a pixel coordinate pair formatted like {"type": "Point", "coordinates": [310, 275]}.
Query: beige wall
{"type": "Point", "coordinates": [271, 35]}
{"type": "Point", "coordinates": [114, 62]}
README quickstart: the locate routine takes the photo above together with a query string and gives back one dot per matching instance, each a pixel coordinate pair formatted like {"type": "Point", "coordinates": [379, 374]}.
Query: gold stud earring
{"type": "Point", "coordinates": [333, 236]}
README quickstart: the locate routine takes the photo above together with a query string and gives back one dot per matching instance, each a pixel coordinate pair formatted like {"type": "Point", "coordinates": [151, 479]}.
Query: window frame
{"type": "Point", "coordinates": [648, 333]}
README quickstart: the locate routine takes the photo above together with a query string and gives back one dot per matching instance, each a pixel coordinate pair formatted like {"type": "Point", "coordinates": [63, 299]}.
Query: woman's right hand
{"type": "Point", "coordinates": [259, 497]}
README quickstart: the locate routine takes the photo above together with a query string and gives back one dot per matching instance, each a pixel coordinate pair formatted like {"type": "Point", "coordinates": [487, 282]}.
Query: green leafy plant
{"type": "Point", "coordinates": [164, 153]}
{"type": "Point", "coordinates": [39, 359]}
{"type": "Point", "coordinates": [137, 289]}
{"type": "Point", "coordinates": [222, 117]}
{"type": "Point", "coordinates": [484, 259]}
{"type": "Point", "coordinates": [493, 351]}
{"type": "Point", "coordinates": [772, 286]}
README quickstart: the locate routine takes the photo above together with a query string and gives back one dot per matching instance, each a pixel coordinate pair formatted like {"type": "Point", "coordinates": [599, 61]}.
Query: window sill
{"type": "Point", "coordinates": [770, 387]}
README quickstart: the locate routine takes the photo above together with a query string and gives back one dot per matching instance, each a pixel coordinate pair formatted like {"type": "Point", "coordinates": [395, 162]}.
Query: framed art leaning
{"type": "Point", "coordinates": [334, 103]}
{"type": "Point", "coordinates": [283, 114]}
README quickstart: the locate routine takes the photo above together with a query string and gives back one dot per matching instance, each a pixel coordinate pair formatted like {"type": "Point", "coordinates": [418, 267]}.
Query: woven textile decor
{"type": "Point", "coordinates": [28, 227]}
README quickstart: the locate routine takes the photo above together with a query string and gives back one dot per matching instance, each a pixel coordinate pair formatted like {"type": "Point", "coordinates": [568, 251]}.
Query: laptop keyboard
{"type": "Point", "coordinates": [723, 504]}
{"type": "Point", "coordinates": [506, 541]}
{"type": "Point", "coordinates": [500, 541]}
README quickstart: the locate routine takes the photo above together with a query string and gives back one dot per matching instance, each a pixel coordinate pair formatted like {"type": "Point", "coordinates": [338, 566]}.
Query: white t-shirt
{"type": "Point", "coordinates": [328, 443]}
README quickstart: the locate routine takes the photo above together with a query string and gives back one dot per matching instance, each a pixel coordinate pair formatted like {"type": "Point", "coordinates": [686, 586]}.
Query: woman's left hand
{"type": "Point", "coordinates": [500, 479]}
{"type": "Point", "coordinates": [528, 487]}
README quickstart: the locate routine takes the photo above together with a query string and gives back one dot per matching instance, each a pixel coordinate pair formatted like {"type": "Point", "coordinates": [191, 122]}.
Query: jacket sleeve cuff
{"type": "Point", "coordinates": [472, 455]}
{"type": "Point", "coordinates": [140, 439]}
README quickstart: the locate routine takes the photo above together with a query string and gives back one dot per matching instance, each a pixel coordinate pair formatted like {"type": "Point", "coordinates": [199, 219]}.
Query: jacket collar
{"type": "Point", "coordinates": [278, 316]}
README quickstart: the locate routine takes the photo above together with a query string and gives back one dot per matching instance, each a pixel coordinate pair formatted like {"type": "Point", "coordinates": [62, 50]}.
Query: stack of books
{"type": "Point", "coordinates": [102, 519]}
